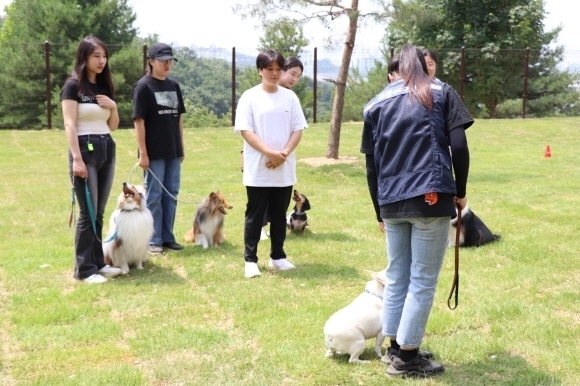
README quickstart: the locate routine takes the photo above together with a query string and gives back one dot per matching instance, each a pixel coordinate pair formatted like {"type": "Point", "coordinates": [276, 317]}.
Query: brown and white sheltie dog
{"type": "Point", "coordinates": [130, 230]}
{"type": "Point", "coordinates": [208, 221]}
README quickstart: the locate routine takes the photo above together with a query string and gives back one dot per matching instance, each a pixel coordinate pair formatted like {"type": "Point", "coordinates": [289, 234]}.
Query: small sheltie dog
{"type": "Point", "coordinates": [473, 232]}
{"type": "Point", "coordinates": [297, 221]}
{"type": "Point", "coordinates": [208, 221]}
{"type": "Point", "coordinates": [130, 230]}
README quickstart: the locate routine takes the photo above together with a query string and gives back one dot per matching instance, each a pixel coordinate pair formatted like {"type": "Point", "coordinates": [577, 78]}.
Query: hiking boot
{"type": "Point", "coordinates": [418, 367]}
{"type": "Point", "coordinates": [391, 352]}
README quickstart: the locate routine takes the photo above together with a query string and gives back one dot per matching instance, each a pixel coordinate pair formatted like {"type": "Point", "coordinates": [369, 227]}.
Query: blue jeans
{"type": "Point", "coordinates": [415, 247]}
{"type": "Point", "coordinates": [100, 163]}
{"type": "Point", "coordinates": [161, 204]}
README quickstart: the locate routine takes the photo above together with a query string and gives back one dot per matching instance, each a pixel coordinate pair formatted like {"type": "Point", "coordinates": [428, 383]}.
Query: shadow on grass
{"type": "Point", "coordinates": [318, 270]}
{"type": "Point", "coordinates": [191, 250]}
{"type": "Point", "coordinates": [495, 369]}
{"type": "Point", "coordinates": [150, 274]}
{"type": "Point", "coordinates": [367, 355]}
{"type": "Point", "coordinates": [322, 236]}
{"type": "Point", "coordinates": [499, 369]}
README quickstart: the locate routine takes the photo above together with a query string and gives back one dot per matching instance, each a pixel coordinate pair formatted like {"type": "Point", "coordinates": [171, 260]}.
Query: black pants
{"type": "Point", "coordinates": [274, 202]}
{"type": "Point", "coordinates": [100, 163]}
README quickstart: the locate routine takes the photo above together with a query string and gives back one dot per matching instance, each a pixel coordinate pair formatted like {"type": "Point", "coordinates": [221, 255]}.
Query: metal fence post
{"type": "Point", "coordinates": [462, 73]}
{"type": "Point", "coordinates": [233, 86]}
{"type": "Point", "coordinates": [144, 59]}
{"type": "Point", "coordinates": [525, 95]}
{"type": "Point", "coordinates": [315, 85]}
{"type": "Point", "coordinates": [48, 83]}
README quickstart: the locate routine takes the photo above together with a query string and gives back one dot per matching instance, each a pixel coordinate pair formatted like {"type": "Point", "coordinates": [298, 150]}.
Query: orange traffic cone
{"type": "Point", "coordinates": [547, 153]}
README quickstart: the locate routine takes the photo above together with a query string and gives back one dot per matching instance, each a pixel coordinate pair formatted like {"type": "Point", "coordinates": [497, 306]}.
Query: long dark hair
{"type": "Point", "coordinates": [85, 50]}
{"type": "Point", "coordinates": [413, 70]}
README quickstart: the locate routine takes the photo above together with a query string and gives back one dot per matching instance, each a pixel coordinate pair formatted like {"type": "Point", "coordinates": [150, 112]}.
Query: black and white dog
{"type": "Point", "coordinates": [297, 221]}
{"type": "Point", "coordinates": [473, 232]}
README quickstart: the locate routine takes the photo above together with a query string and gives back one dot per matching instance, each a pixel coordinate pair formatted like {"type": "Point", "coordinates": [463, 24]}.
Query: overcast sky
{"type": "Point", "coordinates": [213, 22]}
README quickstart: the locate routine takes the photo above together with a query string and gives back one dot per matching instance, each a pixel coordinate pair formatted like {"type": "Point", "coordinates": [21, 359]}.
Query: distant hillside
{"type": "Point", "coordinates": [242, 60]}
{"type": "Point", "coordinates": [326, 68]}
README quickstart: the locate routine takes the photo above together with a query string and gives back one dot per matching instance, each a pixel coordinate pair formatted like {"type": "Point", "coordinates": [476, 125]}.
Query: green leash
{"type": "Point", "coordinates": [89, 201]}
{"type": "Point", "coordinates": [91, 209]}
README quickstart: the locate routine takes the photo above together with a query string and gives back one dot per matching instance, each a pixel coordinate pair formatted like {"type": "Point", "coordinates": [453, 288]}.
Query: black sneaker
{"type": "Point", "coordinates": [391, 352]}
{"type": "Point", "coordinates": [418, 367]}
{"type": "Point", "coordinates": [173, 246]}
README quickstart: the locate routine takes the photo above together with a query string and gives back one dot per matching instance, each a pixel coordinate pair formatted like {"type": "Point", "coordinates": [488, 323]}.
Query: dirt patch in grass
{"type": "Point", "coordinates": [321, 161]}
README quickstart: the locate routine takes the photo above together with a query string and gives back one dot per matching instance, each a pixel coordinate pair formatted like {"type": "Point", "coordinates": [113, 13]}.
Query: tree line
{"type": "Point", "coordinates": [494, 33]}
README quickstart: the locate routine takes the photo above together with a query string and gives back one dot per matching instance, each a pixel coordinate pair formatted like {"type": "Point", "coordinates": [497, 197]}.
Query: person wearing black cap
{"type": "Point", "coordinates": [158, 118]}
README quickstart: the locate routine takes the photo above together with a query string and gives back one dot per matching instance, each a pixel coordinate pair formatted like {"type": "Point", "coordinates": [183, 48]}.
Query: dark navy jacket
{"type": "Point", "coordinates": [410, 144]}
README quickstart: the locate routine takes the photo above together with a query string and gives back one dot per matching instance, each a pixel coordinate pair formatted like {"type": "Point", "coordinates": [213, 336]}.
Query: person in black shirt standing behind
{"type": "Point", "coordinates": [158, 118]}
{"type": "Point", "coordinates": [408, 129]}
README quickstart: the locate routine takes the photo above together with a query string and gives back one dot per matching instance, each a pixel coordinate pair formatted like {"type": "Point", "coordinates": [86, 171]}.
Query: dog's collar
{"type": "Point", "coordinates": [374, 294]}
{"type": "Point", "coordinates": [299, 213]}
{"type": "Point", "coordinates": [129, 210]}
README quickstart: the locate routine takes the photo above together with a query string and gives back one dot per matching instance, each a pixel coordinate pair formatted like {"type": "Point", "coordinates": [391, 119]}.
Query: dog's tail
{"type": "Point", "coordinates": [496, 237]}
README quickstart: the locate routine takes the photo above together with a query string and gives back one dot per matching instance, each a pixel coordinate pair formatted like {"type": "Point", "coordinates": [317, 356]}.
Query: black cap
{"type": "Point", "coordinates": [161, 52]}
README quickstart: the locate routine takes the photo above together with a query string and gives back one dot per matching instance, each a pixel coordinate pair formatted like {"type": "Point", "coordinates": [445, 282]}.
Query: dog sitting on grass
{"type": "Point", "coordinates": [347, 330]}
{"type": "Point", "coordinates": [297, 221]}
{"type": "Point", "coordinates": [208, 221]}
{"type": "Point", "coordinates": [130, 229]}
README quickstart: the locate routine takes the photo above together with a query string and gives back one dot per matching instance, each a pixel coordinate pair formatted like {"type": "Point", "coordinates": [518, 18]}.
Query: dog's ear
{"type": "Point", "coordinates": [378, 276]}
{"type": "Point", "coordinates": [306, 204]}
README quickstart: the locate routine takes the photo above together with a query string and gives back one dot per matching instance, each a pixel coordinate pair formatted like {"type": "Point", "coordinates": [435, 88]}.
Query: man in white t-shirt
{"type": "Point", "coordinates": [271, 121]}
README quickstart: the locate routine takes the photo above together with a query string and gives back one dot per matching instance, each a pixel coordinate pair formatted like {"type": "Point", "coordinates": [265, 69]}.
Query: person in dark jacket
{"type": "Point", "coordinates": [410, 131]}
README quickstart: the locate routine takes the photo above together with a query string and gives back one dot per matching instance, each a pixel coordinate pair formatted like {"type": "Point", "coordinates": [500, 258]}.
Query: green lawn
{"type": "Point", "coordinates": [191, 318]}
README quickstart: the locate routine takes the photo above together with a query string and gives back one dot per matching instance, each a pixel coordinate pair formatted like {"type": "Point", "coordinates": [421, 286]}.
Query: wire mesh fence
{"type": "Point", "coordinates": [492, 83]}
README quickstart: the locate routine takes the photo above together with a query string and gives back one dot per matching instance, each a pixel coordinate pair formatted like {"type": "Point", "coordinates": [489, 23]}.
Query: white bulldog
{"type": "Point", "coordinates": [347, 330]}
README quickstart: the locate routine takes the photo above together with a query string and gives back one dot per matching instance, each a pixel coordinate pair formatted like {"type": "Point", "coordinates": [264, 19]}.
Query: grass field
{"type": "Point", "coordinates": [191, 318]}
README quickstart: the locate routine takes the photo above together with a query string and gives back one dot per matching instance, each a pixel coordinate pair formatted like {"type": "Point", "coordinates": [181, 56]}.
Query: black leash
{"type": "Point", "coordinates": [455, 285]}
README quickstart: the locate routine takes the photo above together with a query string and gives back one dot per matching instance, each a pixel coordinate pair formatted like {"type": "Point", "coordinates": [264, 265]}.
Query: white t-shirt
{"type": "Point", "coordinates": [273, 117]}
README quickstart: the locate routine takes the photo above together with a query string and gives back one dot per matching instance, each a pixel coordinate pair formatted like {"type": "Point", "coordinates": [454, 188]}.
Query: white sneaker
{"type": "Point", "coordinates": [108, 271]}
{"type": "Point", "coordinates": [264, 235]}
{"type": "Point", "coordinates": [155, 249]}
{"type": "Point", "coordinates": [95, 279]}
{"type": "Point", "coordinates": [252, 270]}
{"type": "Point", "coordinates": [281, 264]}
